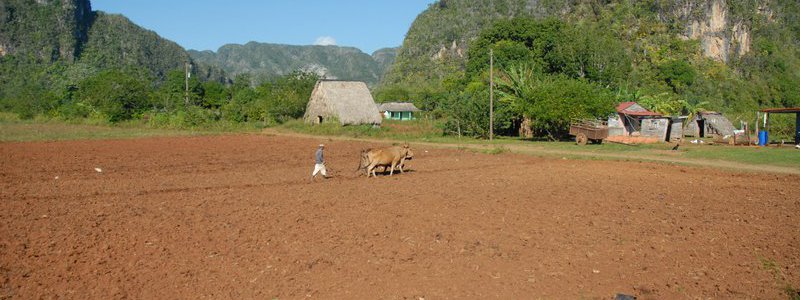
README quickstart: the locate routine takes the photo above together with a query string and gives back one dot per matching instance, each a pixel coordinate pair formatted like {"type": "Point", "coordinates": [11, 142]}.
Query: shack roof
{"type": "Point", "coordinates": [397, 106]}
{"type": "Point", "coordinates": [788, 110]}
{"type": "Point", "coordinates": [716, 121]}
{"type": "Point", "coordinates": [634, 109]}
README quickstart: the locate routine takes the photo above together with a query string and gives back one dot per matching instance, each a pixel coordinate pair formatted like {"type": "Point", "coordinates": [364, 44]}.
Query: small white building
{"type": "Point", "coordinates": [398, 110]}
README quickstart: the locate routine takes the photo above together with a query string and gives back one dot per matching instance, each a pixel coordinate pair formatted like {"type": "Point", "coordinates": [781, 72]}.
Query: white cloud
{"type": "Point", "coordinates": [325, 41]}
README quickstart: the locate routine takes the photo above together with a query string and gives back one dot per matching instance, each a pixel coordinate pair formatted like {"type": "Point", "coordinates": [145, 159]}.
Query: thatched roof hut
{"type": "Point", "coordinates": [348, 102]}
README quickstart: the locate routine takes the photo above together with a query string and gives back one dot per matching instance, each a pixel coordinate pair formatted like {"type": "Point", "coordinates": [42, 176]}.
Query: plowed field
{"type": "Point", "coordinates": [236, 217]}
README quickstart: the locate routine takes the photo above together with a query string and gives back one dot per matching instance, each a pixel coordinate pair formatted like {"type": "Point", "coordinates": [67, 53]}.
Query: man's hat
{"type": "Point", "coordinates": [321, 145]}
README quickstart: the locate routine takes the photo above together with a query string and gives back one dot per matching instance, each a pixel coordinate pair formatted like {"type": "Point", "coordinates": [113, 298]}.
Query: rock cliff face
{"type": "Point", "coordinates": [721, 35]}
{"type": "Point", "coordinates": [47, 29]}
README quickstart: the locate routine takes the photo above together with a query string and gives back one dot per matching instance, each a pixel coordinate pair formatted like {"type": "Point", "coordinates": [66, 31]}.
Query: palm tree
{"type": "Point", "coordinates": [515, 87]}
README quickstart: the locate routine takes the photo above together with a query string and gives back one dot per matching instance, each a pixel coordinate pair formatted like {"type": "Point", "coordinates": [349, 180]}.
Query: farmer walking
{"type": "Point", "coordinates": [319, 167]}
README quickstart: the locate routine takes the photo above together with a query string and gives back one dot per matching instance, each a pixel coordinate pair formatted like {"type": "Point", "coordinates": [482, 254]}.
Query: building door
{"type": "Point", "coordinates": [701, 128]}
{"type": "Point", "coordinates": [319, 119]}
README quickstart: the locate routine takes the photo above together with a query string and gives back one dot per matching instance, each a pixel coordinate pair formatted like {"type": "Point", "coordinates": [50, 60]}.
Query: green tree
{"type": "Point", "coordinates": [552, 102]}
{"type": "Point", "coordinates": [171, 95]}
{"type": "Point", "coordinates": [237, 109]}
{"type": "Point", "coordinates": [679, 75]}
{"type": "Point", "coordinates": [515, 41]}
{"type": "Point", "coordinates": [113, 95]}
{"type": "Point", "coordinates": [589, 52]}
{"type": "Point", "coordinates": [290, 94]}
{"type": "Point", "coordinates": [665, 103]}
{"type": "Point", "coordinates": [215, 94]}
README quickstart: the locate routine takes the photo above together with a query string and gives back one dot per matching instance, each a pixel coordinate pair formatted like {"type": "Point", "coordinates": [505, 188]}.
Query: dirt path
{"type": "Point", "coordinates": [236, 217]}
{"type": "Point", "coordinates": [536, 150]}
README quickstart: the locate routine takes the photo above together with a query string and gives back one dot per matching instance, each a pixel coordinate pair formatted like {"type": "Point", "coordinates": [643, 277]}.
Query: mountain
{"type": "Point", "coordinates": [49, 47]}
{"type": "Point", "coordinates": [385, 57]}
{"type": "Point", "coordinates": [116, 42]}
{"type": "Point", "coordinates": [45, 32]}
{"type": "Point", "coordinates": [264, 60]}
{"type": "Point", "coordinates": [438, 42]}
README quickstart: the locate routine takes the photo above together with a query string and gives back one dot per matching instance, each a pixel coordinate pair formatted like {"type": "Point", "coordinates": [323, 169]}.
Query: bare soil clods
{"type": "Point", "coordinates": [236, 217]}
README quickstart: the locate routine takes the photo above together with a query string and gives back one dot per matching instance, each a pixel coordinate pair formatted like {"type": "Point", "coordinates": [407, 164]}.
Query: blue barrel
{"type": "Point", "coordinates": [763, 138]}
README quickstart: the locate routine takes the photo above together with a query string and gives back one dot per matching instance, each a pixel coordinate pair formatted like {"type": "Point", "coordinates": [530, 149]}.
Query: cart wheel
{"type": "Point", "coordinates": [581, 139]}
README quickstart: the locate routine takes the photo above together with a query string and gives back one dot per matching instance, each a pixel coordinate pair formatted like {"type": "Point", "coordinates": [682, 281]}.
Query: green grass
{"type": "Point", "coordinates": [786, 156]}
{"type": "Point", "coordinates": [417, 130]}
{"type": "Point", "coordinates": [13, 129]}
{"type": "Point", "coordinates": [429, 131]}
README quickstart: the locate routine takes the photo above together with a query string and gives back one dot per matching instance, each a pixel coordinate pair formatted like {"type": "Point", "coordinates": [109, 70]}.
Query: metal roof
{"type": "Point", "coordinates": [634, 109]}
{"type": "Point", "coordinates": [788, 110]}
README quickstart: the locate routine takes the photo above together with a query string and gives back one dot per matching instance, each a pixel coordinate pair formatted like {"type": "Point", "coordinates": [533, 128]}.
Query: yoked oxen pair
{"type": "Point", "coordinates": [392, 157]}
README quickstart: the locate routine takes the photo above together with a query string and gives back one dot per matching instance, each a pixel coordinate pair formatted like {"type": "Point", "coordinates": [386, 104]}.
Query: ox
{"type": "Point", "coordinates": [391, 157]}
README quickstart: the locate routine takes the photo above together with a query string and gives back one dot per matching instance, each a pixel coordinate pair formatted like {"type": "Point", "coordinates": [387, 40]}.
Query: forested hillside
{"type": "Point", "coordinates": [436, 44]}
{"type": "Point", "coordinates": [42, 30]}
{"type": "Point", "coordinates": [264, 61]}
{"type": "Point", "coordinates": [116, 42]}
{"type": "Point", "coordinates": [49, 47]}
{"type": "Point", "coordinates": [385, 57]}
{"type": "Point", "coordinates": [673, 56]}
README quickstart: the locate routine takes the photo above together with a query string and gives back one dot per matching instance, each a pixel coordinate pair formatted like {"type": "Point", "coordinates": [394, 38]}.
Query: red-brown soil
{"type": "Point", "coordinates": [236, 217]}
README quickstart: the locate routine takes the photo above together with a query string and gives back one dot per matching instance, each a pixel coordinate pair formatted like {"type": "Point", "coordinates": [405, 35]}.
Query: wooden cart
{"type": "Point", "coordinates": [589, 131]}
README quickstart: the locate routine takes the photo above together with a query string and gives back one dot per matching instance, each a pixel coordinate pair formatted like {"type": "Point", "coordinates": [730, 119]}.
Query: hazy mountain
{"type": "Point", "coordinates": [264, 60]}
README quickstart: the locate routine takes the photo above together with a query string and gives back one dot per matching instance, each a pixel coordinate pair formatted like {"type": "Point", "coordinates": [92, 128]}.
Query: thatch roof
{"type": "Point", "coordinates": [349, 102]}
{"type": "Point", "coordinates": [397, 106]}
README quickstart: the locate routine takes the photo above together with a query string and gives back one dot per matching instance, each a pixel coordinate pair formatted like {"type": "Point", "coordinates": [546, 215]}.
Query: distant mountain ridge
{"type": "Point", "coordinates": [266, 60]}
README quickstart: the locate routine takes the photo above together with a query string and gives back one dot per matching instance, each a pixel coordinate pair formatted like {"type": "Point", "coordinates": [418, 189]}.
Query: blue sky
{"type": "Point", "coordinates": [206, 25]}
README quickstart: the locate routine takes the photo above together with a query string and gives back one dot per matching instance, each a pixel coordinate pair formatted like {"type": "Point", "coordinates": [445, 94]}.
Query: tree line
{"type": "Point", "coordinates": [122, 94]}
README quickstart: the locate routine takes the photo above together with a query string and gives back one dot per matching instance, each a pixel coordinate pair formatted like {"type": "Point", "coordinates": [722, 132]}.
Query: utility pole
{"type": "Point", "coordinates": [491, 94]}
{"type": "Point", "coordinates": [186, 85]}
